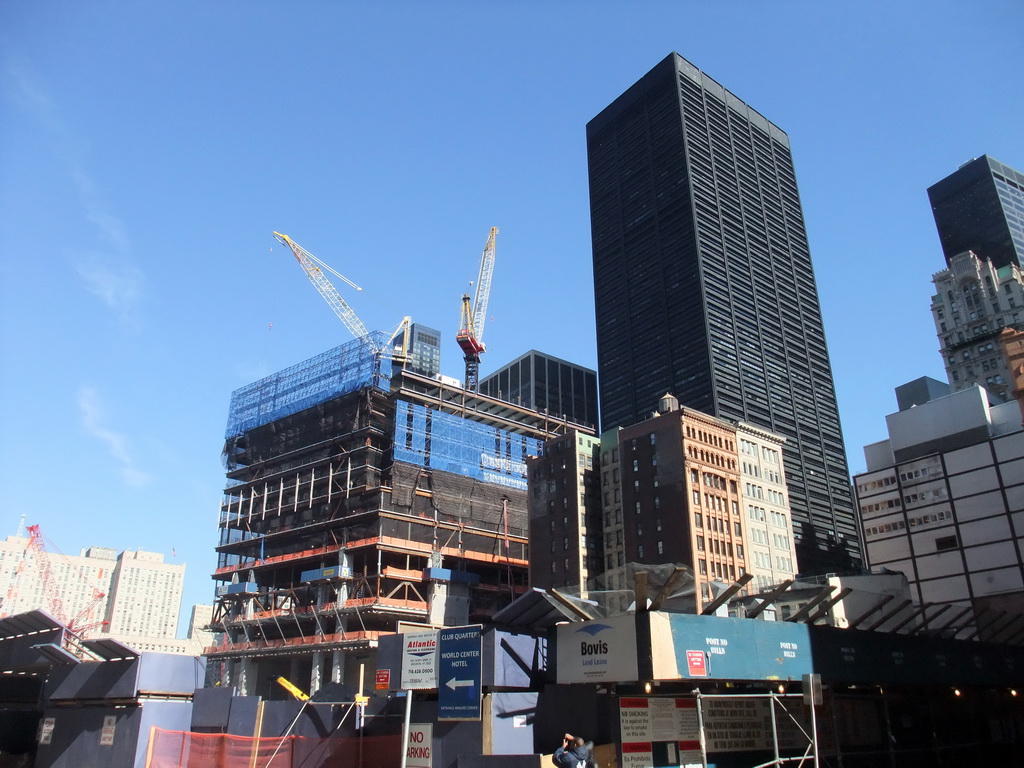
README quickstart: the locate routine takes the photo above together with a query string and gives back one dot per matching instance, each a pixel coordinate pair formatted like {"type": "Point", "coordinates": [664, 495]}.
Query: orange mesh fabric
{"type": "Point", "coordinates": [181, 749]}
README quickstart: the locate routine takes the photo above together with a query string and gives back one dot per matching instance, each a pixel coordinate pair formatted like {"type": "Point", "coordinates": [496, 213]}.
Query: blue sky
{"type": "Point", "coordinates": [148, 150]}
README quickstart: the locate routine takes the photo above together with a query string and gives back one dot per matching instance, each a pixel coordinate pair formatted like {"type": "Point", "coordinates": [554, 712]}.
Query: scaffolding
{"type": "Point", "coordinates": [436, 440]}
{"type": "Point", "coordinates": [337, 371]}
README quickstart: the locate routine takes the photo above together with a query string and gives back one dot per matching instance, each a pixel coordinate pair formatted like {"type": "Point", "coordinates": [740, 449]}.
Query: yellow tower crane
{"type": "Point", "coordinates": [313, 267]}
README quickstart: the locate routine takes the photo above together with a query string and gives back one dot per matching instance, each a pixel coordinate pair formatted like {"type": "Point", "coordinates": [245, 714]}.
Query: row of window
{"type": "Point", "coordinates": [920, 472]}
{"type": "Point", "coordinates": [901, 525]}
{"type": "Point", "coordinates": [881, 482]}
{"type": "Point", "coordinates": [768, 454]}
{"type": "Point", "coordinates": [724, 548]}
{"type": "Point", "coordinates": [878, 506]}
{"type": "Point", "coordinates": [715, 503]}
{"type": "Point", "coordinates": [709, 457]}
{"type": "Point", "coordinates": [782, 563]}
{"type": "Point", "coordinates": [716, 524]}
{"type": "Point", "coordinates": [926, 496]}
{"type": "Point", "coordinates": [706, 437]}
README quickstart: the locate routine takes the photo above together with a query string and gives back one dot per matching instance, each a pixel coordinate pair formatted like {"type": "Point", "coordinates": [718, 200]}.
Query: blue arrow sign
{"type": "Point", "coordinates": [459, 655]}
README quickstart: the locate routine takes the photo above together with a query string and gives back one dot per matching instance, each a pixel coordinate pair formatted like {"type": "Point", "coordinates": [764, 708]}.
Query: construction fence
{"type": "Point", "coordinates": [182, 749]}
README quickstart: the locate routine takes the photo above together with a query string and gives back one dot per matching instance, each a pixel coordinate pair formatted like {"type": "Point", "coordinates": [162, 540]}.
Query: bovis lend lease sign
{"type": "Point", "coordinates": [597, 651]}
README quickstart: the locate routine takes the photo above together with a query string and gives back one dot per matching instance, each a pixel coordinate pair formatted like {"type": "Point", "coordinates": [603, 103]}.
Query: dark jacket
{"type": "Point", "coordinates": [570, 758]}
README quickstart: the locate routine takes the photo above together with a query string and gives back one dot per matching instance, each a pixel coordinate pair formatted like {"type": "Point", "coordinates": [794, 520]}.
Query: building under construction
{"type": "Point", "coordinates": [361, 495]}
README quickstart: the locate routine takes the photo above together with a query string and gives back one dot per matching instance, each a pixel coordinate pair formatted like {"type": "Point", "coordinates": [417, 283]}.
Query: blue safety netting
{"type": "Point", "coordinates": [337, 371]}
{"type": "Point", "coordinates": [429, 438]}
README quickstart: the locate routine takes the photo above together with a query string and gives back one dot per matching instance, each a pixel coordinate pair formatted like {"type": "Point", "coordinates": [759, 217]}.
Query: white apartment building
{"type": "Point", "coordinates": [942, 500]}
{"type": "Point", "coordinates": [100, 591]}
{"type": "Point", "coordinates": [82, 583]}
{"type": "Point", "coordinates": [973, 302]}
{"type": "Point", "coordinates": [771, 555]}
{"type": "Point", "coordinates": [145, 597]}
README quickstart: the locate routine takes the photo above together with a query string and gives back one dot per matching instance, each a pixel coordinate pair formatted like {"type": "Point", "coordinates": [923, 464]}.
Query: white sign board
{"type": "Point", "coordinates": [597, 651]}
{"type": "Point", "coordinates": [107, 733]}
{"type": "Point", "coordinates": [668, 726]}
{"type": "Point", "coordinates": [418, 750]}
{"type": "Point", "coordinates": [46, 730]}
{"type": "Point", "coordinates": [419, 660]}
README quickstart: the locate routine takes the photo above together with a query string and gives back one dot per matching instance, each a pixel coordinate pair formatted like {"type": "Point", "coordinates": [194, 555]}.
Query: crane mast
{"type": "Point", "coordinates": [474, 314]}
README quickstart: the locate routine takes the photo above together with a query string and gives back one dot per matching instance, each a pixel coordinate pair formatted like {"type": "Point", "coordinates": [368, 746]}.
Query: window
{"type": "Point", "coordinates": [700, 543]}
{"type": "Point", "coordinates": [698, 519]}
{"type": "Point", "coordinates": [945, 543]}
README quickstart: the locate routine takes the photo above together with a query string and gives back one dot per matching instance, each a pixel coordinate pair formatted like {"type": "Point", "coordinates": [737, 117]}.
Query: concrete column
{"type": "Point", "coordinates": [317, 673]}
{"type": "Point", "coordinates": [246, 682]}
{"type": "Point", "coordinates": [338, 667]}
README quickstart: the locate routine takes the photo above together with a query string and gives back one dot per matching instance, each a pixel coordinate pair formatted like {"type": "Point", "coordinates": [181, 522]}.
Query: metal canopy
{"type": "Point", "coordinates": [54, 653]}
{"type": "Point", "coordinates": [109, 649]}
{"type": "Point", "coordinates": [27, 623]}
{"type": "Point", "coordinates": [535, 609]}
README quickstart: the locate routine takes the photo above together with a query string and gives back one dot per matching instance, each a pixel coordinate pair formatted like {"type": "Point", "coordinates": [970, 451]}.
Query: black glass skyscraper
{"type": "Point", "coordinates": [980, 208]}
{"type": "Point", "coordinates": [704, 286]}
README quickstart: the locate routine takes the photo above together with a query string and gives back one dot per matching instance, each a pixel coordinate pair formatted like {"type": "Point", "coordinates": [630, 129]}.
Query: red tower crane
{"type": "Point", "coordinates": [77, 624]}
{"type": "Point", "coordinates": [474, 313]}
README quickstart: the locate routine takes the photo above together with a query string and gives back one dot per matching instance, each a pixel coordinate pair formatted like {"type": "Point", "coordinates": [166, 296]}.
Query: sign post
{"type": "Point", "coordinates": [459, 673]}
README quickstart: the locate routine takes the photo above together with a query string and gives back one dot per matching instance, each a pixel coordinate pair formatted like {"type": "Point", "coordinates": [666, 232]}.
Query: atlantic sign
{"type": "Point", "coordinates": [597, 651]}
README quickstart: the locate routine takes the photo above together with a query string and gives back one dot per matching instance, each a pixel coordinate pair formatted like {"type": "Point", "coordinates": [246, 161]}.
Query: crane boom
{"type": "Point", "coordinates": [308, 262]}
{"type": "Point", "coordinates": [46, 575]}
{"type": "Point", "coordinates": [483, 285]}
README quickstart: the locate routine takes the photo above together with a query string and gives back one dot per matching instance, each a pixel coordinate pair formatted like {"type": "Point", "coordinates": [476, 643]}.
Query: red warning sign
{"type": "Point", "coordinates": [696, 663]}
{"type": "Point", "coordinates": [383, 680]}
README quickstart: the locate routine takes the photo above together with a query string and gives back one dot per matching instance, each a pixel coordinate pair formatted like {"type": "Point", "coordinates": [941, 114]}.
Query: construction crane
{"type": "Point", "coordinates": [77, 625]}
{"type": "Point", "coordinates": [313, 267]}
{"type": "Point", "coordinates": [474, 313]}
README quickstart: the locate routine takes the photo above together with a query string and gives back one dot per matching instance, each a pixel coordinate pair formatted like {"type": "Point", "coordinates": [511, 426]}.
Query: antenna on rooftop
{"type": "Point", "coordinates": [21, 527]}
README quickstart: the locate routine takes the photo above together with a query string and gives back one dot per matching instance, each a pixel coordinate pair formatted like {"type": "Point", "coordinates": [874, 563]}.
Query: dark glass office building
{"type": "Point", "coordinates": [424, 350]}
{"type": "Point", "coordinates": [980, 208]}
{"type": "Point", "coordinates": [704, 286]}
{"type": "Point", "coordinates": [548, 384]}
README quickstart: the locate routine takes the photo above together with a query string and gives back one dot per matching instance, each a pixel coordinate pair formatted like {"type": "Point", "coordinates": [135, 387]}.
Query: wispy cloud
{"type": "Point", "coordinates": [110, 228]}
{"type": "Point", "coordinates": [118, 444]}
{"type": "Point", "coordinates": [112, 276]}
{"type": "Point", "coordinates": [29, 89]}
{"type": "Point", "coordinates": [117, 283]}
